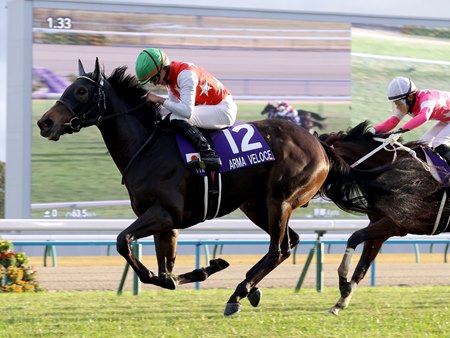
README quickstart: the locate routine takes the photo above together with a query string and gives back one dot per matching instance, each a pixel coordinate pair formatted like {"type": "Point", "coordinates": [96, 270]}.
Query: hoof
{"type": "Point", "coordinates": [232, 308]}
{"type": "Point", "coordinates": [219, 264]}
{"type": "Point", "coordinates": [254, 297]}
{"type": "Point", "coordinates": [334, 310]}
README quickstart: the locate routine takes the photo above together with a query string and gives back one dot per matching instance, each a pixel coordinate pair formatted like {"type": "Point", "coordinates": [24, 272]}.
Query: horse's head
{"type": "Point", "coordinates": [82, 104]}
{"type": "Point", "coordinates": [92, 98]}
{"type": "Point", "coordinates": [268, 109]}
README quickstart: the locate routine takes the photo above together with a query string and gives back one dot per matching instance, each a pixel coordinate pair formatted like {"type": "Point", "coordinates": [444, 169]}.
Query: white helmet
{"type": "Point", "coordinates": [399, 88]}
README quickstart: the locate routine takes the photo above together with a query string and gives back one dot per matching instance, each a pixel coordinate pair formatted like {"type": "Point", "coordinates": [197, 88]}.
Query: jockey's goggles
{"type": "Point", "coordinates": [155, 79]}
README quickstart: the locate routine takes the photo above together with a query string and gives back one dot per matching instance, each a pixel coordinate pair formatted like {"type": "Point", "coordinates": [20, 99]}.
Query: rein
{"type": "Point", "coordinates": [391, 140]}
{"type": "Point", "coordinates": [130, 162]}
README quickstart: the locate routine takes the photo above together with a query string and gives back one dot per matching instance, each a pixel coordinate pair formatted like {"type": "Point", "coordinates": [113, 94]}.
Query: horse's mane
{"type": "Point", "coordinates": [126, 86]}
{"type": "Point", "coordinates": [357, 133]}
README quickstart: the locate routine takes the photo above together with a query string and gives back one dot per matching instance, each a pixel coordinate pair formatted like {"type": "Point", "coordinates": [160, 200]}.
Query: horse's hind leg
{"type": "Point", "coordinates": [257, 213]}
{"type": "Point", "coordinates": [247, 288]}
{"type": "Point", "coordinates": [292, 240]}
{"type": "Point", "coordinates": [279, 250]}
{"type": "Point", "coordinates": [199, 275]}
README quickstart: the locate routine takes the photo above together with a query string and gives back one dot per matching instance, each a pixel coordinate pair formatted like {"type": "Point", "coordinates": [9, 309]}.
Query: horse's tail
{"type": "Point", "coordinates": [350, 189]}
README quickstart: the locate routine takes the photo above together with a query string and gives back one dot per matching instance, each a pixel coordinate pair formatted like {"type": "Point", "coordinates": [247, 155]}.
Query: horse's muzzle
{"type": "Point", "coordinates": [48, 129]}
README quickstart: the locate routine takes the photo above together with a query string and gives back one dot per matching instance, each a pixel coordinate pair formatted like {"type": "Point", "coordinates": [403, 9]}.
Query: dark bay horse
{"type": "Point", "coordinates": [411, 208]}
{"type": "Point", "coordinates": [308, 119]}
{"type": "Point", "coordinates": [166, 195]}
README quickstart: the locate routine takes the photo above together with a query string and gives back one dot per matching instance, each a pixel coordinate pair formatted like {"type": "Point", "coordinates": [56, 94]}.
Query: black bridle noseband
{"type": "Point", "coordinates": [79, 120]}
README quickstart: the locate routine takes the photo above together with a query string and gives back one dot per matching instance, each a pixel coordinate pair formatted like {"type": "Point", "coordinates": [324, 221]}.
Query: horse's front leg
{"type": "Point", "coordinates": [374, 236]}
{"type": "Point", "coordinates": [370, 251]}
{"type": "Point", "coordinates": [345, 288]}
{"type": "Point", "coordinates": [166, 253]}
{"type": "Point", "coordinates": [166, 247]}
{"type": "Point", "coordinates": [150, 223]}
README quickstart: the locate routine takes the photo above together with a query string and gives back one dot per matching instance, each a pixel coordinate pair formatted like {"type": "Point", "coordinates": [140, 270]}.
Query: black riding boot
{"type": "Point", "coordinates": [207, 154]}
{"type": "Point", "coordinates": [444, 151]}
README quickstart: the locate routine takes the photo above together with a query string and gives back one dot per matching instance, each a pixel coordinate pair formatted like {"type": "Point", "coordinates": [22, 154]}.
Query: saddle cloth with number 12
{"type": "Point", "coordinates": [239, 146]}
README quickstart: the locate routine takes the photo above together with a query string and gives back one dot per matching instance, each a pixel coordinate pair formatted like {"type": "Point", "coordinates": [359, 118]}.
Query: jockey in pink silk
{"type": "Point", "coordinates": [422, 105]}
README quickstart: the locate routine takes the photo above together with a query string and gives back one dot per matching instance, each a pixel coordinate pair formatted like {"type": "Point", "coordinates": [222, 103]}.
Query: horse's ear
{"type": "Point", "coordinates": [81, 71]}
{"type": "Point", "coordinates": [97, 74]}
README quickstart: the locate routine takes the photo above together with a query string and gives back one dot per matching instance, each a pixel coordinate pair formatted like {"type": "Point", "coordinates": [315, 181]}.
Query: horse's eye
{"type": "Point", "coordinates": [81, 91]}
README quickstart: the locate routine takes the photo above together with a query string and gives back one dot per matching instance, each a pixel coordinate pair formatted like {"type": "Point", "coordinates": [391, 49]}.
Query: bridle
{"type": "Point", "coordinates": [79, 120]}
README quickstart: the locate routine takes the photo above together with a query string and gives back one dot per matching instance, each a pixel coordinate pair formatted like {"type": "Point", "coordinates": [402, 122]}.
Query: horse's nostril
{"type": "Point", "coordinates": [44, 123]}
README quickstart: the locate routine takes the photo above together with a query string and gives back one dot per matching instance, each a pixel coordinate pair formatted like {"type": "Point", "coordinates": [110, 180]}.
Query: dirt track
{"type": "Point", "coordinates": [104, 273]}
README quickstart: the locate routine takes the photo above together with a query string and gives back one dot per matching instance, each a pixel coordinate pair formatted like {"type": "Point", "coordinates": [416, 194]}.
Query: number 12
{"type": "Point", "coordinates": [245, 144]}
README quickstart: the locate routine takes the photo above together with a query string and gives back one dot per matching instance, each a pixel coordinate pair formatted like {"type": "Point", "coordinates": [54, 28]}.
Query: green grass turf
{"type": "Point", "coordinates": [374, 312]}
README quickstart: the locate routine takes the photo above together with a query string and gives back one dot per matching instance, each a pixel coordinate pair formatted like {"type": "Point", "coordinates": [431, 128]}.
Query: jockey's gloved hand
{"type": "Point", "coordinates": [371, 130]}
{"type": "Point", "coordinates": [386, 135]}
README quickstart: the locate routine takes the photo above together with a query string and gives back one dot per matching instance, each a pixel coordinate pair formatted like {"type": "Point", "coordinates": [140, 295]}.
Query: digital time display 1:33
{"type": "Point", "coordinates": [59, 22]}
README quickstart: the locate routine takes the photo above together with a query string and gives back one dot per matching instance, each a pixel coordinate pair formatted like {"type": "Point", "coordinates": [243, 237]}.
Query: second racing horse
{"type": "Point", "coordinates": [411, 208]}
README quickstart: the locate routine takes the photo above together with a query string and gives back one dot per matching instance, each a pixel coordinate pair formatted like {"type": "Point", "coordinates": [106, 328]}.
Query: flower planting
{"type": "Point", "coordinates": [15, 275]}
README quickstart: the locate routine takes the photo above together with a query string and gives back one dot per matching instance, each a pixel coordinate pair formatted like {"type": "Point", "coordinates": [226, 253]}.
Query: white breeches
{"type": "Point", "coordinates": [219, 116]}
{"type": "Point", "coordinates": [438, 134]}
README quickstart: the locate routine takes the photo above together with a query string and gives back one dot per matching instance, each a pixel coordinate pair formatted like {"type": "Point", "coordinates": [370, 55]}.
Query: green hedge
{"type": "Point", "coordinates": [433, 32]}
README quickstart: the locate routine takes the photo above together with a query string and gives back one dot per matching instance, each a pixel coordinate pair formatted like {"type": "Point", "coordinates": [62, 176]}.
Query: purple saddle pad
{"type": "Point", "coordinates": [239, 146]}
{"type": "Point", "coordinates": [440, 164]}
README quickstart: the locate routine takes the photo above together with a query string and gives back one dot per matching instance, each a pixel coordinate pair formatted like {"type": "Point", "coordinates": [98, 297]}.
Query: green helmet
{"type": "Point", "coordinates": [149, 64]}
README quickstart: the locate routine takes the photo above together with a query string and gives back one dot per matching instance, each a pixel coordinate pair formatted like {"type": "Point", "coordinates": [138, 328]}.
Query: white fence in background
{"type": "Point", "coordinates": [213, 36]}
{"type": "Point", "coordinates": [402, 59]}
